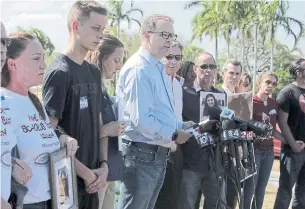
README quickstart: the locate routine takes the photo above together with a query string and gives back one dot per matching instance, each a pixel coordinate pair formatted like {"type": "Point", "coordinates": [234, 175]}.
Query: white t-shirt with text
{"type": "Point", "coordinates": [8, 141]}
{"type": "Point", "coordinates": [36, 139]}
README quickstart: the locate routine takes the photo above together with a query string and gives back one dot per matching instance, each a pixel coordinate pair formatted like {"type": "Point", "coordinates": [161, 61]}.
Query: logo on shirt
{"type": "Point", "coordinates": [6, 159]}
{"type": "Point", "coordinates": [42, 159]}
{"type": "Point", "coordinates": [302, 103]}
{"type": "Point", "coordinates": [83, 102]}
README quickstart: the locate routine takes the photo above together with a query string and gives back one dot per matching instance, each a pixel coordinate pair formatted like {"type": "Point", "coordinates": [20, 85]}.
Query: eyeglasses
{"type": "Point", "coordinates": [5, 41]}
{"type": "Point", "coordinates": [165, 35]}
{"type": "Point", "coordinates": [206, 66]}
{"type": "Point", "coordinates": [268, 82]}
{"type": "Point", "coordinates": [171, 57]}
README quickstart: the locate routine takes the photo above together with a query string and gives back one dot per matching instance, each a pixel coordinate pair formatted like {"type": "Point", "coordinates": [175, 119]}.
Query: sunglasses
{"type": "Point", "coordinates": [171, 57]}
{"type": "Point", "coordinates": [5, 41]}
{"type": "Point", "coordinates": [268, 82]}
{"type": "Point", "coordinates": [206, 66]}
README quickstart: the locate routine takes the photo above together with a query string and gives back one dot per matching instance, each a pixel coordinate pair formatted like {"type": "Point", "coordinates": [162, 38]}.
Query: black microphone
{"type": "Point", "coordinates": [203, 132]}
{"type": "Point", "coordinates": [228, 126]}
{"type": "Point", "coordinates": [214, 113]}
{"type": "Point", "coordinates": [245, 159]}
{"type": "Point", "coordinates": [255, 126]}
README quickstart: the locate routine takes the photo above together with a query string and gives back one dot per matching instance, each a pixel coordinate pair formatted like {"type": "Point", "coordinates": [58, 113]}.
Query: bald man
{"type": "Point", "coordinates": [4, 42]}
{"type": "Point", "coordinates": [199, 164]}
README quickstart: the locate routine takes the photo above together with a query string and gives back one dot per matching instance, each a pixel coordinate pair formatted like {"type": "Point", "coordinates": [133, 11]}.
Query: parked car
{"type": "Point", "coordinates": [277, 144]}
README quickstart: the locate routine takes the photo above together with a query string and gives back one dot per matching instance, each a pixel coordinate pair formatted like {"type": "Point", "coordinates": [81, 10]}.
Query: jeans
{"type": "Point", "coordinates": [169, 196]}
{"type": "Point", "coordinates": [143, 175]}
{"type": "Point", "coordinates": [211, 187]}
{"type": "Point", "coordinates": [292, 168]}
{"type": "Point", "coordinates": [264, 161]}
{"type": "Point", "coordinates": [39, 205]}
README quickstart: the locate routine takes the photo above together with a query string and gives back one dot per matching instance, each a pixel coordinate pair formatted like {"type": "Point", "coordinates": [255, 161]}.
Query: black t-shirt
{"type": "Point", "coordinates": [291, 100]}
{"type": "Point", "coordinates": [71, 93]}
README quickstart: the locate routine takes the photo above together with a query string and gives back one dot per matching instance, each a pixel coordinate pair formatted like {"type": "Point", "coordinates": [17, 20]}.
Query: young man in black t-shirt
{"type": "Point", "coordinates": [291, 100]}
{"type": "Point", "coordinates": [71, 94]}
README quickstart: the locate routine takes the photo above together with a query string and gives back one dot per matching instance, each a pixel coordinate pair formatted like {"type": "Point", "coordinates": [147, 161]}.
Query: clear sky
{"type": "Point", "coordinates": [50, 17]}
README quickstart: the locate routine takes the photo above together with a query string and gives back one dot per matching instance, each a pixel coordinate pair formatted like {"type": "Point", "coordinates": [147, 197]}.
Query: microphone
{"type": "Point", "coordinates": [214, 113]}
{"type": "Point", "coordinates": [229, 126]}
{"type": "Point", "coordinates": [203, 132]}
{"type": "Point", "coordinates": [255, 126]}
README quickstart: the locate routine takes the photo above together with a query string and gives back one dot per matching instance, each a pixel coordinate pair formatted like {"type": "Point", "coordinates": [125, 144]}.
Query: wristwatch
{"type": "Point", "coordinates": [175, 136]}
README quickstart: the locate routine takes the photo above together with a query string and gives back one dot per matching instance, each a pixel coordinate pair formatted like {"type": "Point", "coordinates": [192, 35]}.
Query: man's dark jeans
{"type": "Point", "coordinates": [292, 168]}
{"type": "Point", "coordinates": [143, 175]}
{"type": "Point", "coordinates": [264, 161]}
{"type": "Point", "coordinates": [211, 187]}
{"type": "Point", "coordinates": [169, 196]}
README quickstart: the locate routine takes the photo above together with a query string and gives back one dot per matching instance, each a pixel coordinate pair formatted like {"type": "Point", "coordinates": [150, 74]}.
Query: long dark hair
{"type": "Point", "coordinates": [18, 43]}
{"type": "Point", "coordinates": [206, 106]}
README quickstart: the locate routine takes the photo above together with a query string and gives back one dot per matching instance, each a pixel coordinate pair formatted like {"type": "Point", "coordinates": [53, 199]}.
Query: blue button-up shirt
{"type": "Point", "coordinates": [145, 101]}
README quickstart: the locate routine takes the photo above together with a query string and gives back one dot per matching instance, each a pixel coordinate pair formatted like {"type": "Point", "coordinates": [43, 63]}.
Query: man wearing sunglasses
{"type": "Point", "coordinates": [231, 73]}
{"type": "Point", "coordinates": [169, 194]}
{"type": "Point", "coordinates": [198, 164]}
{"type": "Point", "coordinates": [147, 103]}
{"type": "Point", "coordinates": [291, 120]}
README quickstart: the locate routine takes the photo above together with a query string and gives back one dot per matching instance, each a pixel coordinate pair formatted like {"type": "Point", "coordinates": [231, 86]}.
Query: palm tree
{"type": "Point", "coordinates": [117, 15]}
{"type": "Point", "coordinates": [207, 21]}
{"type": "Point", "coordinates": [278, 18]}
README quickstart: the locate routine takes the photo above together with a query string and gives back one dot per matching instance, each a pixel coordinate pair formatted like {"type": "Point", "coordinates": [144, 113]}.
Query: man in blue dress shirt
{"type": "Point", "coordinates": [147, 106]}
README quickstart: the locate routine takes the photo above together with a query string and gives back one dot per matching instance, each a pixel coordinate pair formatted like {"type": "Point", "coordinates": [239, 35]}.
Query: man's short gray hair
{"type": "Point", "coordinates": [177, 44]}
{"type": "Point", "coordinates": [233, 62]}
{"type": "Point", "coordinates": [150, 23]}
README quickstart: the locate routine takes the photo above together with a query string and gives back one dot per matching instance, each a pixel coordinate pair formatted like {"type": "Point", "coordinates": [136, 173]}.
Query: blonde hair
{"type": "Point", "coordinates": [263, 76]}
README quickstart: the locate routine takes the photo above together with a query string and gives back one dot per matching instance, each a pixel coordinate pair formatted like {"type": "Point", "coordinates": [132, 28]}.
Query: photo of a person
{"type": "Point", "coordinates": [209, 101]}
{"type": "Point", "coordinates": [63, 185]}
{"type": "Point", "coordinates": [242, 105]}
{"type": "Point", "coordinates": [211, 104]}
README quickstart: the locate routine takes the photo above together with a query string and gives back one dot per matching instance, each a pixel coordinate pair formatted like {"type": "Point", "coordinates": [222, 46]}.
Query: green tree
{"type": "Point", "coordinates": [191, 52]}
{"type": "Point", "coordinates": [43, 39]}
{"type": "Point", "coordinates": [117, 14]}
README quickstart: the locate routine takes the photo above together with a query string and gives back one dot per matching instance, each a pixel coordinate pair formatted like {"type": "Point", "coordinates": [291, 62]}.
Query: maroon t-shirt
{"type": "Point", "coordinates": [268, 115]}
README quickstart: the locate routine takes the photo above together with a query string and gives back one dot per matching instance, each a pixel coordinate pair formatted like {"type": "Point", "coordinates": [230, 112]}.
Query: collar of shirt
{"type": "Point", "coordinates": [228, 92]}
{"type": "Point", "coordinates": [150, 58]}
{"type": "Point", "coordinates": [197, 87]}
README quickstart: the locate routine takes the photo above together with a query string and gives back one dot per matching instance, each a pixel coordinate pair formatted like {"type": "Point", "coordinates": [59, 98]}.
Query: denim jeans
{"type": "Point", "coordinates": [39, 205]}
{"type": "Point", "coordinates": [143, 175]}
{"type": "Point", "coordinates": [264, 161]}
{"type": "Point", "coordinates": [213, 190]}
{"type": "Point", "coordinates": [169, 196]}
{"type": "Point", "coordinates": [292, 168]}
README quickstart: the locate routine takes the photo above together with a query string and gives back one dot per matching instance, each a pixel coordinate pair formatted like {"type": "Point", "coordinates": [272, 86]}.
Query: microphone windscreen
{"type": "Point", "coordinates": [243, 126]}
{"type": "Point", "coordinates": [228, 125]}
{"type": "Point", "coordinates": [214, 113]}
{"type": "Point", "coordinates": [211, 126]}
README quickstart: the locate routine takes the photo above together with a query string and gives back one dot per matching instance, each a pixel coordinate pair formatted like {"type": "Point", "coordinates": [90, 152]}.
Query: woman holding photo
{"type": "Point", "coordinates": [35, 136]}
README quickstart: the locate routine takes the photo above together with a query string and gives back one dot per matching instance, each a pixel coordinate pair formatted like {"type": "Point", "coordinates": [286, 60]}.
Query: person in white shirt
{"type": "Point", "coordinates": [169, 194]}
{"type": "Point", "coordinates": [34, 133]}
{"type": "Point", "coordinates": [231, 73]}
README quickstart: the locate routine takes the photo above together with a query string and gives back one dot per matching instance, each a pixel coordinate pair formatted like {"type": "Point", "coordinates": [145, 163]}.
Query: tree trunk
{"type": "Point", "coordinates": [228, 46]}
{"type": "Point", "coordinates": [216, 54]}
{"type": "Point", "coordinates": [272, 46]}
{"type": "Point", "coordinates": [255, 59]}
{"type": "Point", "coordinates": [242, 48]}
